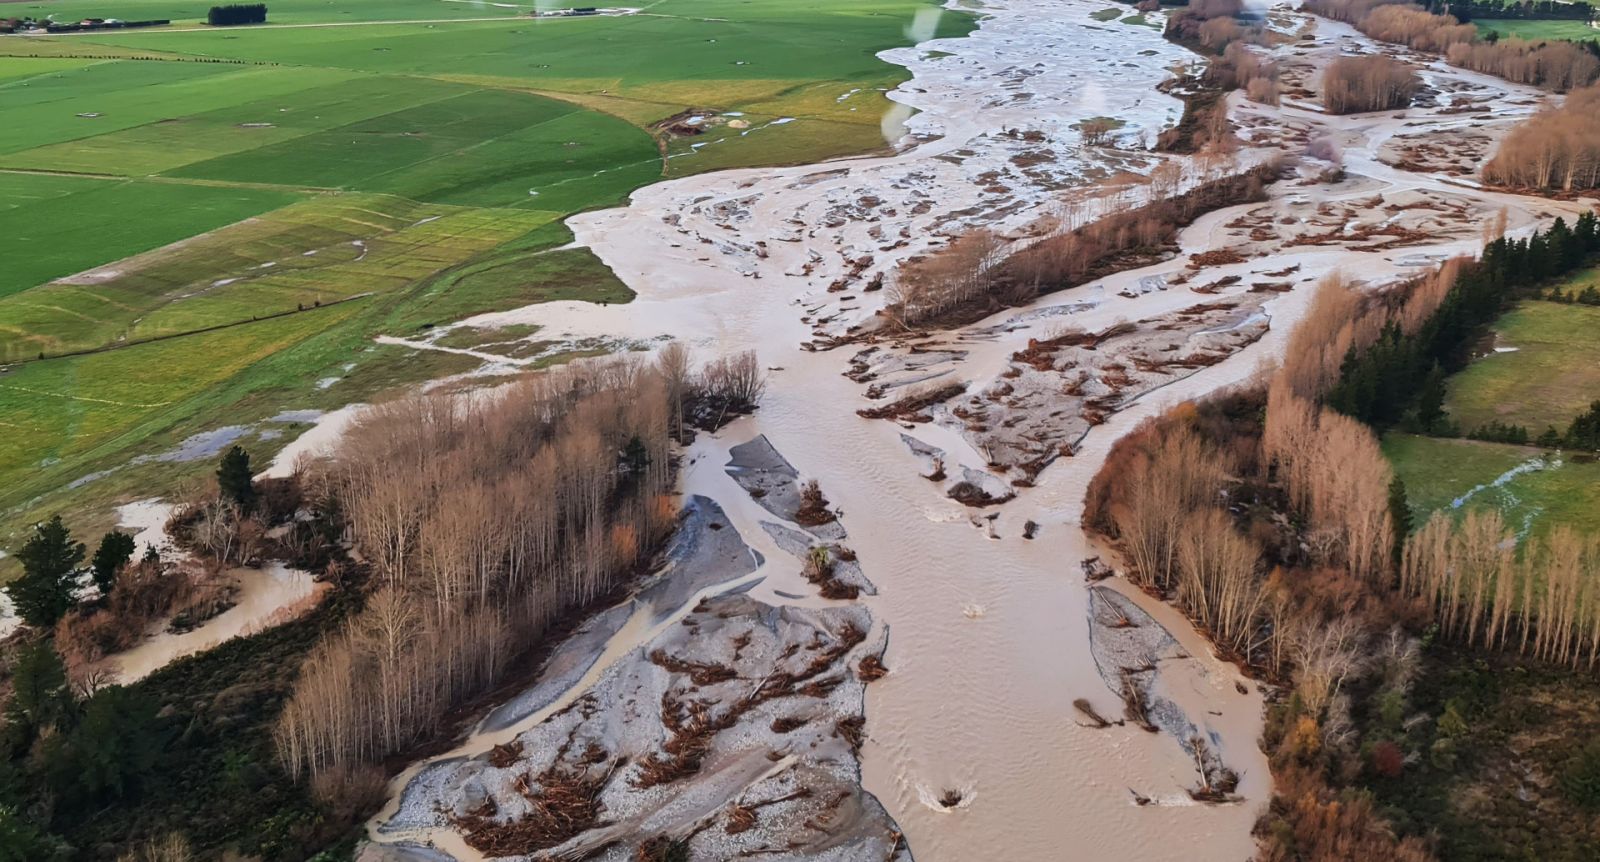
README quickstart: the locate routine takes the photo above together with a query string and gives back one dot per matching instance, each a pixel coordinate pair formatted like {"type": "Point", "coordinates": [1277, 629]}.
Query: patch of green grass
{"type": "Point", "coordinates": [44, 109]}
{"type": "Point", "coordinates": [56, 225]}
{"type": "Point", "coordinates": [260, 117]}
{"type": "Point", "coordinates": [478, 147]}
{"type": "Point", "coordinates": [1577, 281]}
{"type": "Point", "coordinates": [1535, 30]}
{"type": "Point", "coordinates": [764, 57]}
{"type": "Point", "coordinates": [184, 14]}
{"type": "Point", "coordinates": [470, 337]}
{"type": "Point", "coordinates": [1552, 375]}
{"type": "Point", "coordinates": [1452, 475]}
{"type": "Point", "coordinates": [319, 251]}
{"type": "Point", "coordinates": [529, 270]}
{"type": "Point", "coordinates": [68, 418]}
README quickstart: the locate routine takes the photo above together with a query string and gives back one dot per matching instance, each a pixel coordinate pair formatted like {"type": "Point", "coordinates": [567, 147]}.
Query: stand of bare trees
{"type": "Point", "coordinates": [1336, 477]}
{"type": "Point", "coordinates": [935, 285]}
{"type": "Point", "coordinates": [1542, 600]}
{"type": "Point", "coordinates": [1558, 66]}
{"type": "Point", "coordinates": [1352, 85]}
{"type": "Point", "coordinates": [1557, 149]}
{"type": "Point", "coordinates": [484, 522]}
{"type": "Point", "coordinates": [973, 277]}
{"type": "Point", "coordinates": [1161, 496]}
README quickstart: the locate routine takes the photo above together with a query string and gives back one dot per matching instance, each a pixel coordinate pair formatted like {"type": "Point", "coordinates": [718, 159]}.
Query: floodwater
{"type": "Point", "coordinates": [988, 632]}
{"type": "Point", "coordinates": [263, 597]}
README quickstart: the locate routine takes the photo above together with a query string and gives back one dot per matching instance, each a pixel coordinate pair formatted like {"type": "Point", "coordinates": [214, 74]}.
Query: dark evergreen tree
{"type": "Point", "coordinates": [22, 841]}
{"type": "Point", "coordinates": [1400, 517]}
{"type": "Point", "coordinates": [236, 13]}
{"type": "Point", "coordinates": [39, 696]}
{"type": "Point", "coordinates": [1584, 432]}
{"type": "Point", "coordinates": [114, 743]}
{"type": "Point", "coordinates": [1430, 401]}
{"type": "Point", "coordinates": [43, 594]}
{"type": "Point", "coordinates": [235, 482]}
{"type": "Point", "coordinates": [115, 550]}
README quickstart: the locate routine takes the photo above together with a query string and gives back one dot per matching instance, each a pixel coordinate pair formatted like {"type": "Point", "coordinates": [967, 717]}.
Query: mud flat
{"type": "Point", "coordinates": [733, 732]}
{"type": "Point", "coordinates": [730, 725]}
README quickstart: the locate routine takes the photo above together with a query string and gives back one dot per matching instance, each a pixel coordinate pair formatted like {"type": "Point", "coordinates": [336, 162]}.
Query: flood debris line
{"type": "Point", "coordinates": [1068, 380]}
{"type": "Point", "coordinates": [832, 567]}
{"type": "Point", "coordinates": [1130, 648]}
{"type": "Point", "coordinates": [733, 733]}
{"type": "Point", "coordinates": [772, 482]}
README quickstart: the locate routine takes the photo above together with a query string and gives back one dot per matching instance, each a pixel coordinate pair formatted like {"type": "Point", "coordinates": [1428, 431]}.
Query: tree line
{"type": "Point", "coordinates": [237, 13]}
{"type": "Point", "coordinates": [1396, 375]}
{"type": "Point", "coordinates": [977, 273]}
{"type": "Point", "coordinates": [1274, 521]}
{"type": "Point", "coordinates": [485, 523]}
{"type": "Point", "coordinates": [1269, 521]}
{"type": "Point", "coordinates": [1558, 65]}
{"type": "Point", "coordinates": [1555, 150]}
{"type": "Point", "coordinates": [1527, 10]}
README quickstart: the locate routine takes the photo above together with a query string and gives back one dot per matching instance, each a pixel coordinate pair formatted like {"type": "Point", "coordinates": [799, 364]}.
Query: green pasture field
{"type": "Point", "coordinates": [58, 225]}
{"type": "Point", "coordinates": [1576, 31]}
{"type": "Point", "coordinates": [1549, 379]}
{"type": "Point", "coordinates": [1438, 472]}
{"type": "Point", "coordinates": [244, 209]}
{"type": "Point", "coordinates": [188, 14]}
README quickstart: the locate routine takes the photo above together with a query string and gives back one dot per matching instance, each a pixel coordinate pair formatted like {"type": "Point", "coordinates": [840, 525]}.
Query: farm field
{"type": "Point", "coordinates": [1576, 31]}
{"type": "Point", "coordinates": [222, 220]}
{"type": "Point", "coordinates": [67, 224]}
{"type": "Point", "coordinates": [1548, 373]}
{"type": "Point", "coordinates": [280, 11]}
{"type": "Point", "coordinates": [1532, 490]}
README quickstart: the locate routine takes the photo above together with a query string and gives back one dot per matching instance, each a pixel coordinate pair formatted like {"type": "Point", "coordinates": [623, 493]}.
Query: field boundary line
{"type": "Point", "coordinates": [31, 391]}
{"type": "Point", "coordinates": [123, 345]}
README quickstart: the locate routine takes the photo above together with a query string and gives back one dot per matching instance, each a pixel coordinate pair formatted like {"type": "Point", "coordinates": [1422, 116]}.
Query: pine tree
{"type": "Point", "coordinates": [115, 550]}
{"type": "Point", "coordinates": [114, 744]}
{"type": "Point", "coordinates": [1399, 518]}
{"type": "Point", "coordinates": [234, 480]}
{"type": "Point", "coordinates": [1430, 401]}
{"type": "Point", "coordinates": [49, 565]}
{"type": "Point", "coordinates": [39, 695]}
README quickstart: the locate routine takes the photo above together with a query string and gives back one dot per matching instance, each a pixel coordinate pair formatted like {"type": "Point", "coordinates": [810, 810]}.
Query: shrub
{"type": "Point", "coordinates": [1580, 779]}
{"type": "Point", "coordinates": [1351, 85]}
{"type": "Point", "coordinates": [1388, 760]}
